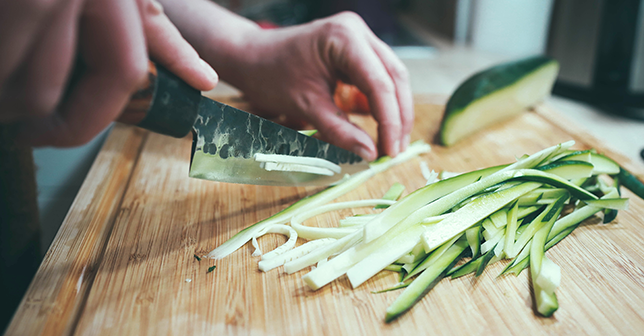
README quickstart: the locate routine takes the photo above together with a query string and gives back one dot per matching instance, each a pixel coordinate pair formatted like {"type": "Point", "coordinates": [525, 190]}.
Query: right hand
{"type": "Point", "coordinates": [39, 42]}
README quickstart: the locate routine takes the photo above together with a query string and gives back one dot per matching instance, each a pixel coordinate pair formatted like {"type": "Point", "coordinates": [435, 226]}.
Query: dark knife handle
{"type": "Point", "coordinates": [165, 104]}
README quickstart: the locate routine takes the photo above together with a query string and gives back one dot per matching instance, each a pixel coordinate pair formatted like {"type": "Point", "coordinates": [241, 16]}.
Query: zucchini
{"type": "Point", "coordinates": [496, 94]}
{"type": "Point", "coordinates": [426, 281]}
{"type": "Point", "coordinates": [560, 230]}
{"type": "Point", "coordinates": [313, 201]}
{"type": "Point", "coordinates": [544, 272]}
{"type": "Point", "coordinates": [602, 164]}
{"type": "Point", "coordinates": [393, 194]}
{"type": "Point", "coordinates": [631, 182]}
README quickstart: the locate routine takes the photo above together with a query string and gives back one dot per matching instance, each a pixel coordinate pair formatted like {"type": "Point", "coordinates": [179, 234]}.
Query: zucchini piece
{"type": "Point", "coordinates": [393, 194]}
{"type": "Point", "coordinates": [431, 259]}
{"type": "Point", "coordinates": [308, 132]}
{"type": "Point", "coordinates": [570, 169]}
{"type": "Point", "coordinates": [609, 214]}
{"type": "Point", "coordinates": [473, 236]}
{"type": "Point", "coordinates": [560, 230]}
{"type": "Point", "coordinates": [542, 271]}
{"type": "Point", "coordinates": [610, 203]}
{"type": "Point", "coordinates": [320, 198]}
{"type": "Point", "coordinates": [511, 229]}
{"type": "Point", "coordinates": [420, 197]}
{"type": "Point", "coordinates": [496, 94]}
{"type": "Point", "coordinates": [631, 182]}
{"type": "Point", "coordinates": [541, 220]}
{"type": "Point", "coordinates": [426, 281]}
{"type": "Point", "coordinates": [475, 211]}
{"type": "Point", "coordinates": [394, 268]}
{"type": "Point", "coordinates": [470, 267]}
{"type": "Point", "coordinates": [602, 164]}
{"type": "Point", "coordinates": [400, 285]}
{"type": "Point", "coordinates": [485, 260]}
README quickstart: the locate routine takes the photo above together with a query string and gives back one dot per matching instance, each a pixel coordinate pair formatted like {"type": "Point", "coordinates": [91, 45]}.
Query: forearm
{"type": "Point", "coordinates": [218, 35]}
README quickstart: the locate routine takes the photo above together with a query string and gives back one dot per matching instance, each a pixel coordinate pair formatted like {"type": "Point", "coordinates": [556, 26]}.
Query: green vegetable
{"type": "Point", "coordinates": [211, 268]}
{"type": "Point", "coordinates": [631, 182]}
{"type": "Point", "coordinates": [425, 281]}
{"type": "Point", "coordinates": [496, 94]}
{"type": "Point", "coordinates": [393, 194]}
{"type": "Point", "coordinates": [197, 257]}
{"type": "Point", "coordinates": [542, 269]}
{"type": "Point", "coordinates": [309, 132]}
{"type": "Point", "coordinates": [316, 200]}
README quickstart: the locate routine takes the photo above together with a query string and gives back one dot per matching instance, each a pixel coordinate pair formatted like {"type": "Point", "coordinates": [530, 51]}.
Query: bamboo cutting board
{"type": "Point", "coordinates": [122, 263]}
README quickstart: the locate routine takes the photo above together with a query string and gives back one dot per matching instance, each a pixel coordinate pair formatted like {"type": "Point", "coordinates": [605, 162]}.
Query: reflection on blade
{"type": "Point", "coordinates": [248, 171]}
{"type": "Point", "coordinates": [227, 139]}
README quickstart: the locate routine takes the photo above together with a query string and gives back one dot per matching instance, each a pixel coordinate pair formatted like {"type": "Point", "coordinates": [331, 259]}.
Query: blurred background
{"type": "Point", "coordinates": [599, 44]}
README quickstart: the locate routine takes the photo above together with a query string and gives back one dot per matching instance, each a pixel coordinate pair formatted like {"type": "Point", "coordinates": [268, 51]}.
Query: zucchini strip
{"type": "Point", "coordinates": [400, 242]}
{"type": "Point", "coordinates": [472, 213]}
{"type": "Point", "coordinates": [385, 221]}
{"type": "Point", "coordinates": [560, 230]}
{"type": "Point", "coordinates": [267, 265]}
{"type": "Point", "coordinates": [425, 281]}
{"type": "Point", "coordinates": [511, 229]}
{"type": "Point", "coordinates": [393, 194]}
{"type": "Point", "coordinates": [298, 160]}
{"type": "Point", "coordinates": [432, 258]}
{"type": "Point", "coordinates": [308, 232]}
{"type": "Point", "coordinates": [282, 229]}
{"type": "Point", "coordinates": [320, 198]}
{"type": "Point", "coordinates": [403, 208]}
{"type": "Point", "coordinates": [545, 297]}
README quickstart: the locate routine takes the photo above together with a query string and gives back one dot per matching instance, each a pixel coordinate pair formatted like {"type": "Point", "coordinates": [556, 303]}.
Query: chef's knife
{"type": "Point", "coordinates": [231, 145]}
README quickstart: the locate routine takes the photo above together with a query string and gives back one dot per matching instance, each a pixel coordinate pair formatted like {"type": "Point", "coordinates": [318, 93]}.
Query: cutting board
{"type": "Point", "coordinates": [123, 262]}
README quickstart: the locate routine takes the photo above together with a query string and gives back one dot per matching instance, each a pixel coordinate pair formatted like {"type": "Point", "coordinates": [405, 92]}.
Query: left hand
{"type": "Point", "coordinates": [293, 71]}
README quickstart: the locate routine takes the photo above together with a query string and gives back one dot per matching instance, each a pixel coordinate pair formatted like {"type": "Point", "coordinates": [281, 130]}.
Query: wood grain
{"type": "Point", "coordinates": [140, 285]}
{"type": "Point", "coordinates": [59, 289]}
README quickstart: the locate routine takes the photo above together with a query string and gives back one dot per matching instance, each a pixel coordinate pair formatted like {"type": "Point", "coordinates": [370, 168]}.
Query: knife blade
{"type": "Point", "coordinates": [231, 145]}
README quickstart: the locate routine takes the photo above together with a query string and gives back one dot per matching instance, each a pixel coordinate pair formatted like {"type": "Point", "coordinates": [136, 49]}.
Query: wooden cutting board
{"type": "Point", "coordinates": [123, 264]}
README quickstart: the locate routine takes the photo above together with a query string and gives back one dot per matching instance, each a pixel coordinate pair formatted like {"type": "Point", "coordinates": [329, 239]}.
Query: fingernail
{"type": "Point", "coordinates": [406, 140]}
{"type": "Point", "coordinates": [363, 153]}
{"type": "Point", "coordinates": [209, 71]}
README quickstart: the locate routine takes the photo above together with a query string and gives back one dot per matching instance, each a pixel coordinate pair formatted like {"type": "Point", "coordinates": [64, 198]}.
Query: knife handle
{"type": "Point", "coordinates": [164, 104]}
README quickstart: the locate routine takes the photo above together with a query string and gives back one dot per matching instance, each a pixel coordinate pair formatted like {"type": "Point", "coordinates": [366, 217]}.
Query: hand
{"type": "Point", "coordinates": [293, 71]}
{"type": "Point", "coordinates": [39, 41]}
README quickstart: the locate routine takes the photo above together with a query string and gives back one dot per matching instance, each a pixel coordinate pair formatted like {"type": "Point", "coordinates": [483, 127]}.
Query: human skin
{"type": "Point", "coordinates": [293, 71]}
{"type": "Point", "coordinates": [39, 42]}
{"type": "Point", "coordinates": [288, 71]}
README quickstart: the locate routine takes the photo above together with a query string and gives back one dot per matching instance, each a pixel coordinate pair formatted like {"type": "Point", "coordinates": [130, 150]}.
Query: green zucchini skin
{"type": "Point", "coordinates": [491, 81]}
{"type": "Point", "coordinates": [425, 281]}
{"type": "Point", "coordinates": [631, 182]}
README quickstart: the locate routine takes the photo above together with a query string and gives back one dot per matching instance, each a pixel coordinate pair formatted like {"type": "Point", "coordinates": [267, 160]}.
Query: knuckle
{"type": "Point", "coordinates": [134, 73]}
{"type": "Point", "coordinates": [343, 23]}
{"type": "Point", "coordinates": [383, 87]}
{"type": "Point", "coordinates": [349, 16]}
{"type": "Point", "coordinates": [41, 104]}
{"type": "Point", "coordinates": [400, 72]}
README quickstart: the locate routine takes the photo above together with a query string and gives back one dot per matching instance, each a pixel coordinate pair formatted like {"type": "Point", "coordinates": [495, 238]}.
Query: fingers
{"type": "Point", "coordinates": [398, 73]}
{"type": "Point", "coordinates": [167, 47]}
{"type": "Point", "coordinates": [335, 128]}
{"type": "Point", "coordinates": [373, 72]}
{"type": "Point", "coordinates": [20, 21]}
{"type": "Point", "coordinates": [40, 81]}
{"type": "Point", "coordinates": [112, 46]}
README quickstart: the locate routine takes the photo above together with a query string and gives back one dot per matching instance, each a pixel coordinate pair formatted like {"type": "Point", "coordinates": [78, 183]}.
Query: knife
{"type": "Point", "coordinates": [231, 145]}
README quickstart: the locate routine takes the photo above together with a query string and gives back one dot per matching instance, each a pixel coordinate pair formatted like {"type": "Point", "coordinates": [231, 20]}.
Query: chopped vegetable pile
{"type": "Point", "coordinates": [453, 226]}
